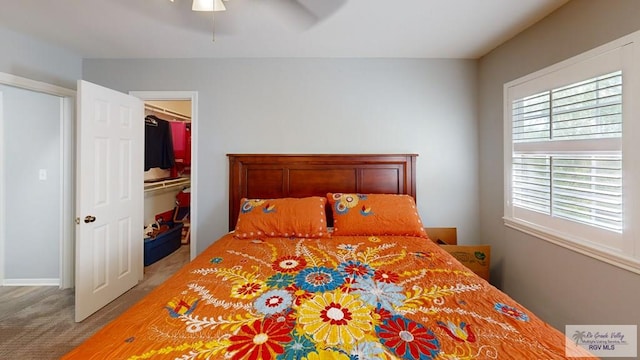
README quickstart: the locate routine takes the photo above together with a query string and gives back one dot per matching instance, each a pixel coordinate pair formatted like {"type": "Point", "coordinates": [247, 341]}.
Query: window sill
{"type": "Point", "coordinates": [582, 247]}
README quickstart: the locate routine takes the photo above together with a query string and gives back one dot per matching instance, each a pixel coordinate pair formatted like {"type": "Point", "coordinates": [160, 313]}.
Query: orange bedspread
{"type": "Point", "coordinates": [338, 298]}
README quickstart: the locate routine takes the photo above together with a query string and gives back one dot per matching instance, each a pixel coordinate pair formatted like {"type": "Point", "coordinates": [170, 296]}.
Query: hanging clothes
{"type": "Point", "coordinates": [158, 144]}
{"type": "Point", "coordinates": [187, 149]}
{"type": "Point", "coordinates": [179, 135]}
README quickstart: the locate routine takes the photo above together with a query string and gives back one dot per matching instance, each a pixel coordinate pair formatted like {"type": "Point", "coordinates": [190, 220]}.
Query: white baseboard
{"type": "Point", "coordinates": [31, 282]}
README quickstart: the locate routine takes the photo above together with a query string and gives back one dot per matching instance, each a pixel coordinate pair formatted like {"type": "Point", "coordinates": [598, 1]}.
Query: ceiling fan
{"type": "Point", "coordinates": [208, 5]}
{"type": "Point", "coordinates": [302, 13]}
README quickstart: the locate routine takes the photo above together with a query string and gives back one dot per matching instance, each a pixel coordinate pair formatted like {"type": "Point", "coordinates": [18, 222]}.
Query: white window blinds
{"type": "Point", "coordinates": [572, 153]}
{"type": "Point", "coordinates": [567, 159]}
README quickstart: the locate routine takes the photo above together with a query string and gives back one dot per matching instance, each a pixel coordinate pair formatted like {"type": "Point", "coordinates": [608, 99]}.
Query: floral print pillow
{"type": "Point", "coordinates": [284, 217]}
{"type": "Point", "coordinates": [375, 214]}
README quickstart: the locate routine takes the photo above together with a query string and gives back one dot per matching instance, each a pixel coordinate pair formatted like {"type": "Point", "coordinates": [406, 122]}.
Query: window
{"type": "Point", "coordinates": [554, 175]}
{"type": "Point", "coordinates": [570, 173]}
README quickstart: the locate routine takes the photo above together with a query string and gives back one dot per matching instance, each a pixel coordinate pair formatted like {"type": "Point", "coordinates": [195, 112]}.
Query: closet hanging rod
{"type": "Point", "coordinates": [165, 184]}
{"type": "Point", "coordinates": [166, 111]}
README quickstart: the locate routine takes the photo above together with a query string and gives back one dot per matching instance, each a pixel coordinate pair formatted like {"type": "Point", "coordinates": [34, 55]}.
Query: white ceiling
{"type": "Point", "coordinates": [276, 28]}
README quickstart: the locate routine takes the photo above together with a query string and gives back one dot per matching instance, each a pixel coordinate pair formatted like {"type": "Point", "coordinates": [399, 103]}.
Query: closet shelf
{"type": "Point", "coordinates": [174, 114]}
{"type": "Point", "coordinates": [166, 184]}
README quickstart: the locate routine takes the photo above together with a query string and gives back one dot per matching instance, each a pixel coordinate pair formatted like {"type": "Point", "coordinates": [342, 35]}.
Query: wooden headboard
{"type": "Point", "coordinates": [268, 176]}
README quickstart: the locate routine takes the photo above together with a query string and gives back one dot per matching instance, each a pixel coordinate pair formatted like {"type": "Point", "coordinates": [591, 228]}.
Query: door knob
{"type": "Point", "coordinates": [89, 219]}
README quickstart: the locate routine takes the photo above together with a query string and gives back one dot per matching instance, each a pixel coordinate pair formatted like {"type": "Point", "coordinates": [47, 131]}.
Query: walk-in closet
{"type": "Point", "coordinates": [167, 183]}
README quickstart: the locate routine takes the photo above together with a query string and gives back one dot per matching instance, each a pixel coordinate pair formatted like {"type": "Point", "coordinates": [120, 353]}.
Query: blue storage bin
{"type": "Point", "coordinates": [163, 245]}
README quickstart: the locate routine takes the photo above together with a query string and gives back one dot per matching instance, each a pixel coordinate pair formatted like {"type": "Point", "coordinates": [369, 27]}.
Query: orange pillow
{"type": "Point", "coordinates": [375, 214]}
{"type": "Point", "coordinates": [284, 217]}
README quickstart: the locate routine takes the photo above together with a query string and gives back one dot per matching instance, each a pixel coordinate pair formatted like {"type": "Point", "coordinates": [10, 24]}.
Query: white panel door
{"type": "Point", "coordinates": [109, 196]}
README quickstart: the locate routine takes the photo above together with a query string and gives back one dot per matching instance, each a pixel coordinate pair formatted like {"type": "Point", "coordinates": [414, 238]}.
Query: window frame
{"type": "Point", "coordinates": [623, 250]}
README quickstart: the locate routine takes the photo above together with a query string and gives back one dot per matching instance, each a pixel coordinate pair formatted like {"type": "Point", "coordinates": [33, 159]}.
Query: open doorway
{"type": "Point", "coordinates": [44, 166]}
{"type": "Point", "coordinates": [167, 177]}
{"type": "Point", "coordinates": [170, 191]}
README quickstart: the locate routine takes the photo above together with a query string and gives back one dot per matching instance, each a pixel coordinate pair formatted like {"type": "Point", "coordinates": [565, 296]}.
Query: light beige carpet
{"type": "Point", "coordinates": [38, 322]}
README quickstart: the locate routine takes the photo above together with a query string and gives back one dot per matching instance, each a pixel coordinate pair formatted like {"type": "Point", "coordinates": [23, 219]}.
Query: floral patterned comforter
{"type": "Point", "coordinates": [340, 298]}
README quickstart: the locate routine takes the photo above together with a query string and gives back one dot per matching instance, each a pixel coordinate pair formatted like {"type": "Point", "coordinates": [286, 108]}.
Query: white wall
{"type": "Point", "coordinates": [27, 57]}
{"type": "Point", "coordinates": [324, 106]}
{"type": "Point", "coordinates": [30, 58]}
{"type": "Point", "coordinates": [560, 285]}
{"type": "Point", "coordinates": [31, 142]}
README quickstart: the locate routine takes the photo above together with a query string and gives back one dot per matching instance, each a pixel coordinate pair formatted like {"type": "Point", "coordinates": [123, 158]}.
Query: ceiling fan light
{"type": "Point", "coordinates": [208, 5]}
{"type": "Point", "coordinates": [218, 6]}
{"type": "Point", "coordinates": [202, 5]}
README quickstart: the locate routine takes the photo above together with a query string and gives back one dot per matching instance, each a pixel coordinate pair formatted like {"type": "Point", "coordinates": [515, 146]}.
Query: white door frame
{"type": "Point", "coordinates": [2, 193]}
{"type": "Point", "coordinates": [67, 234]}
{"type": "Point", "coordinates": [193, 96]}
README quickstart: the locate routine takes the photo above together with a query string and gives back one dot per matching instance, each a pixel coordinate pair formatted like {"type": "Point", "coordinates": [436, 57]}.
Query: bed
{"type": "Point", "coordinates": [326, 258]}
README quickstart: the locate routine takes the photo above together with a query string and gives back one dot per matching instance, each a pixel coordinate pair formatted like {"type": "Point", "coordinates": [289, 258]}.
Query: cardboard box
{"type": "Point", "coordinates": [442, 235]}
{"type": "Point", "coordinates": [476, 257]}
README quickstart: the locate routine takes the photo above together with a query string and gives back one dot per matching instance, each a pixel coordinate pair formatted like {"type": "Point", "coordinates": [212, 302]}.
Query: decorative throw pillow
{"type": "Point", "coordinates": [375, 214]}
{"type": "Point", "coordinates": [284, 217]}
